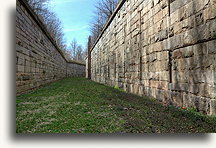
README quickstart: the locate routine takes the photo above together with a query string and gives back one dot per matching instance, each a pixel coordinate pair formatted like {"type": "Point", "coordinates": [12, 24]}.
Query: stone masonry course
{"type": "Point", "coordinates": [164, 49]}
{"type": "Point", "coordinates": [38, 59]}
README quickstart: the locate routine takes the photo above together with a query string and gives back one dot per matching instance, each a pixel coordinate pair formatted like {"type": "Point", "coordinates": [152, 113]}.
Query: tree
{"type": "Point", "coordinates": [79, 54]}
{"type": "Point", "coordinates": [104, 10]}
{"type": "Point", "coordinates": [39, 6]}
{"type": "Point", "coordinates": [52, 22]}
{"type": "Point", "coordinates": [73, 49]}
{"type": "Point", "coordinates": [76, 51]}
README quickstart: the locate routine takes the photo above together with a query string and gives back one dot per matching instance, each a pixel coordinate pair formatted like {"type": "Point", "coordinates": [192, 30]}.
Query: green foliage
{"type": "Point", "coordinates": [78, 105]}
{"type": "Point", "coordinates": [120, 89]}
{"type": "Point", "coordinates": [192, 109]}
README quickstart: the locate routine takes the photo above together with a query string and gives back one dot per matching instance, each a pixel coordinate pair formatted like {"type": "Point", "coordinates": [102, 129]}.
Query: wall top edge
{"type": "Point", "coordinates": [118, 7]}
{"type": "Point", "coordinates": [44, 29]}
{"type": "Point", "coordinates": [74, 62]}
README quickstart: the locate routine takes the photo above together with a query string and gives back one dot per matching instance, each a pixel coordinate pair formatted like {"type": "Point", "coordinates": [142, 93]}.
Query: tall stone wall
{"type": "Point", "coordinates": [39, 60]}
{"type": "Point", "coordinates": [76, 69]}
{"type": "Point", "coordinates": [160, 48]}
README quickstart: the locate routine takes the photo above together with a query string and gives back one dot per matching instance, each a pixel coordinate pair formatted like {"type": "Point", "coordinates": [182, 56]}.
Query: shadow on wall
{"type": "Point", "coordinates": [196, 59]}
{"type": "Point", "coordinates": [203, 34]}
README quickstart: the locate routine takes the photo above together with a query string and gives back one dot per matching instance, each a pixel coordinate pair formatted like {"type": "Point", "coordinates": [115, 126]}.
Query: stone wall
{"type": "Point", "coordinates": [39, 60]}
{"type": "Point", "coordinates": [75, 69]}
{"type": "Point", "coordinates": [160, 48]}
{"type": "Point", "coordinates": [87, 67]}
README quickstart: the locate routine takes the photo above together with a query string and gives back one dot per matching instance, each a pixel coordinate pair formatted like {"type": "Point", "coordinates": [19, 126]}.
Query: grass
{"type": "Point", "coordinates": [78, 105]}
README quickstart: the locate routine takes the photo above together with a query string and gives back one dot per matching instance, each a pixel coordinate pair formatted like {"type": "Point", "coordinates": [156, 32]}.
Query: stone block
{"type": "Point", "coordinates": [206, 61]}
{"type": "Point", "coordinates": [183, 53]}
{"type": "Point", "coordinates": [177, 4]}
{"type": "Point", "coordinates": [27, 69]}
{"type": "Point", "coordinates": [163, 4]}
{"type": "Point", "coordinates": [179, 87]}
{"type": "Point", "coordinates": [194, 88]}
{"type": "Point", "coordinates": [136, 89]}
{"type": "Point", "coordinates": [164, 76]}
{"type": "Point", "coordinates": [206, 90]}
{"type": "Point", "coordinates": [176, 99]}
{"type": "Point", "coordinates": [163, 35]}
{"type": "Point", "coordinates": [190, 37]}
{"type": "Point", "coordinates": [152, 92]}
{"type": "Point", "coordinates": [147, 91]}
{"type": "Point", "coordinates": [20, 68]}
{"type": "Point", "coordinates": [175, 42]}
{"type": "Point", "coordinates": [209, 13]}
{"type": "Point", "coordinates": [174, 17]}
{"type": "Point", "coordinates": [200, 103]}
{"type": "Point", "coordinates": [20, 61]}
{"type": "Point", "coordinates": [212, 29]}
{"type": "Point", "coordinates": [176, 29]}
{"type": "Point", "coordinates": [200, 49]}
{"type": "Point", "coordinates": [188, 102]}
{"type": "Point", "coordinates": [188, 23]}
{"type": "Point", "coordinates": [164, 55]}
{"type": "Point", "coordinates": [162, 65]}
{"type": "Point", "coordinates": [188, 52]}
{"type": "Point", "coordinates": [212, 108]}
{"type": "Point", "coordinates": [177, 54]}
{"type": "Point", "coordinates": [141, 91]}
{"type": "Point", "coordinates": [211, 47]}
{"type": "Point", "coordinates": [158, 84]}
{"type": "Point", "coordinates": [180, 76]}
{"type": "Point", "coordinates": [204, 105]}
{"type": "Point", "coordinates": [26, 77]}
{"type": "Point", "coordinates": [158, 16]}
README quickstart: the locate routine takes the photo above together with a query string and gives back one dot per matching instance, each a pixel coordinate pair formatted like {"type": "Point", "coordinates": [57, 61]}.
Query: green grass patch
{"type": "Point", "coordinates": [78, 105]}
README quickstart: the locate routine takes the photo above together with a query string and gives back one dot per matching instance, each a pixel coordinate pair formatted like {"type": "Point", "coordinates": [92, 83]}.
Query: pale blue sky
{"type": "Point", "coordinates": [76, 16]}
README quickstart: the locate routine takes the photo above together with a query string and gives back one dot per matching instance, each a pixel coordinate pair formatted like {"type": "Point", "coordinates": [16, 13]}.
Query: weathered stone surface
{"type": "Point", "coordinates": [176, 99]}
{"type": "Point", "coordinates": [202, 104]}
{"type": "Point", "coordinates": [163, 55]}
{"type": "Point", "coordinates": [212, 108]}
{"type": "Point", "coordinates": [38, 61]}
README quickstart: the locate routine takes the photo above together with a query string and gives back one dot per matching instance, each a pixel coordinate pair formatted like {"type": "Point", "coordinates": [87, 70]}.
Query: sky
{"type": "Point", "coordinates": [75, 16]}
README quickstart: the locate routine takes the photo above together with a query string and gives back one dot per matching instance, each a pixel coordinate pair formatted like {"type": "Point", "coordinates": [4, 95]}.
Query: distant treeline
{"type": "Point", "coordinates": [103, 10]}
{"type": "Point", "coordinates": [75, 52]}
